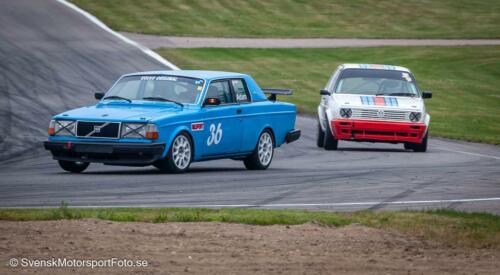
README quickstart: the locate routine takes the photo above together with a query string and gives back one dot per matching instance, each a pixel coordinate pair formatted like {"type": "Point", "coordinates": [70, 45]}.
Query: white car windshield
{"type": "Point", "coordinates": [376, 82]}
{"type": "Point", "coordinates": [158, 88]}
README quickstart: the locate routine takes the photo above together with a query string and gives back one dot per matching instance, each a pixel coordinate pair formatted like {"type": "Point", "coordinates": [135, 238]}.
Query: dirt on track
{"type": "Point", "coordinates": [218, 248]}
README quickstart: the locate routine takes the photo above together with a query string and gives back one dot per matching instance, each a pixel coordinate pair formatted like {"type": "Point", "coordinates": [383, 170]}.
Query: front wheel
{"type": "Point", "coordinates": [330, 142]}
{"type": "Point", "coordinates": [421, 147]}
{"type": "Point", "coordinates": [417, 147]}
{"type": "Point", "coordinates": [73, 166]}
{"type": "Point", "coordinates": [179, 156]}
{"type": "Point", "coordinates": [320, 138]}
{"type": "Point", "coordinates": [263, 153]}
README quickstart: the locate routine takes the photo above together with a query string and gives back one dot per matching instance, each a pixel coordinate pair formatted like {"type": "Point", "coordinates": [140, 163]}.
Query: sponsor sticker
{"type": "Point", "coordinates": [406, 76]}
{"type": "Point", "coordinates": [161, 77]}
{"type": "Point", "coordinates": [197, 126]}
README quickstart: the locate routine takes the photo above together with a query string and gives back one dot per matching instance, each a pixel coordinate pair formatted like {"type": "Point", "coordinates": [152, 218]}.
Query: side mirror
{"type": "Point", "coordinates": [98, 95]}
{"type": "Point", "coordinates": [324, 92]}
{"type": "Point", "coordinates": [426, 94]}
{"type": "Point", "coordinates": [211, 101]}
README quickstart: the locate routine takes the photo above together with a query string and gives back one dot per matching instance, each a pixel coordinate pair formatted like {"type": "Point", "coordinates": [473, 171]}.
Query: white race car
{"type": "Point", "coordinates": [374, 103]}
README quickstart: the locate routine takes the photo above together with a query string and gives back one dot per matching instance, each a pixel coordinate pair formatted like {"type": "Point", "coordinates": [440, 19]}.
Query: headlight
{"type": "Point", "coordinates": [62, 128]}
{"type": "Point", "coordinates": [133, 130]}
{"type": "Point", "coordinates": [415, 116]}
{"type": "Point", "coordinates": [139, 130]}
{"type": "Point", "coordinates": [345, 112]}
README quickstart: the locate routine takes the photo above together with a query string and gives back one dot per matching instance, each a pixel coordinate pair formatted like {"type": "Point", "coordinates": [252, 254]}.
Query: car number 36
{"type": "Point", "coordinates": [215, 134]}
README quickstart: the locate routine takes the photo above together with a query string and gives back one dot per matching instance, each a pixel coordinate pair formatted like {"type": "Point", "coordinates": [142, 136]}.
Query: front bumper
{"type": "Point", "coordinates": [106, 152]}
{"type": "Point", "coordinates": [292, 136]}
{"type": "Point", "coordinates": [383, 131]}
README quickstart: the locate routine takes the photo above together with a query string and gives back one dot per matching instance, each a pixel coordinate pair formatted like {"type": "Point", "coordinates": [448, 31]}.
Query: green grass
{"type": "Point", "coordinates": [302, 18]}
{"type": "Point", "coordinates": [477, 230]}
{"type": "Point", "coordinates": [465, 81]}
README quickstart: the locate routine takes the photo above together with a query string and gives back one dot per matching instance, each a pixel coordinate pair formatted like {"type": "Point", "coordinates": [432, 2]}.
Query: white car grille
{"type": "Point", "coordinates": [380, 114]}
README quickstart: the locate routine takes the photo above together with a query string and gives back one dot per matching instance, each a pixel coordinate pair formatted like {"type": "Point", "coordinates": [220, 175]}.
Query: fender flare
{"type": "Point", "coordinates": [273, 135]}
{"type": "Point", "coordinates": [177, 130]}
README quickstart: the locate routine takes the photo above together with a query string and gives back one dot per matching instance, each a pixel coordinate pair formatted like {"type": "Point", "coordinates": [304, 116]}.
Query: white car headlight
{"type": "Point", "coordinates": [133, 130]}
{"type": "Point", "coordinates": [63, 128]}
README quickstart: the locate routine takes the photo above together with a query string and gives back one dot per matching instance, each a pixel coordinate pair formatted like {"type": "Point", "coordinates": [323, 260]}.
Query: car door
{"type": "Point", "coordinates": [222, 124]}
{"type": "Point", "coordinates": [251, 123]}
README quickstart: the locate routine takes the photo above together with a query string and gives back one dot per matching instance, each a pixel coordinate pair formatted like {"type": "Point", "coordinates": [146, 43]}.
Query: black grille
{"type": "Point", "coordinates": [98, 129]}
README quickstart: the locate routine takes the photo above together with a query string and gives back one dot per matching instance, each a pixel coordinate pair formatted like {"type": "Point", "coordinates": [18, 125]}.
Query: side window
{"type": "Point", "coordinates": [220, 90]}
{"type": "Point", "coordinates": [240, 90]}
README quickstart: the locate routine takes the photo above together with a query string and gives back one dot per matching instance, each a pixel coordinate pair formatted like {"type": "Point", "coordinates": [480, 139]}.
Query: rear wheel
{"type": "Point", "coordinates": [320, 140]}
{"type": "Point", "coordinates": [263, 153]}
{"type": "Point", "coordinates": [73, 166]}
{"type": "Point", "coordinates": [179, 156]}
{"type": "Point", "coordinates": [330, 142]}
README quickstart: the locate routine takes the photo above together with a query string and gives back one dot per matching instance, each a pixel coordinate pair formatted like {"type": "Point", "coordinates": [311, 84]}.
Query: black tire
{"type": "Point", "coordinates": [409, 146]}
{"type": "Point", "coordinates": [257, 161]}
{"type": "Point", "coordinates": [330, 142]}
{"type": "Point", "coordinates": [175, 162]}
{"type": "Point", "coordinates": [73, 166]}
{"type": "Point", "coordinates": [421, 147]}
{"type": "Point", "coordinates": [320, 140]}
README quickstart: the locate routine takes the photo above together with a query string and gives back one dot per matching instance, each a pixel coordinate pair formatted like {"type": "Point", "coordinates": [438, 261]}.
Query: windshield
{"type": "Point", "coordinates": [376, 82]}
{"type": "Point", "coordinates": [153, 87]}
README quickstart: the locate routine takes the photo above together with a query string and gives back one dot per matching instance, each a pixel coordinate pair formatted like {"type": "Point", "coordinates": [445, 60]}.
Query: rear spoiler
{"type": "Point", "coordinates": [274, 92]}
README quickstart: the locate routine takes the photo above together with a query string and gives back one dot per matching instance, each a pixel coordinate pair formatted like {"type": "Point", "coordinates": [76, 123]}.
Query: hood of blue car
{"type": "Point", "coordinates": [118, 111]}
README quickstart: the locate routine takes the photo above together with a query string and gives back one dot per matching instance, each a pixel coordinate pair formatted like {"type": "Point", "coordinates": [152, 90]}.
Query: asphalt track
{"type": "Point", "coordinates": [53, 59]}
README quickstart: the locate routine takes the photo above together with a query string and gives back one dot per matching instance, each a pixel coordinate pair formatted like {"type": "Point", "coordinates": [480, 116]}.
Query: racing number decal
{"type": "Point", "coordinates": [215, 134]}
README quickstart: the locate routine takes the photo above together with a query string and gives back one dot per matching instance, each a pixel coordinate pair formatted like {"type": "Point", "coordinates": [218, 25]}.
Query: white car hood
{"type": "Point", "coordinates": [368, 101]}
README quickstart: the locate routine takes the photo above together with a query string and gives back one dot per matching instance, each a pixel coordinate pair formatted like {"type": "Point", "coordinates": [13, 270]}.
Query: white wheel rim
{"type": "Point", "coordinates": [181, 152]}
{"type": "Point", "coordinates": [265, 148]}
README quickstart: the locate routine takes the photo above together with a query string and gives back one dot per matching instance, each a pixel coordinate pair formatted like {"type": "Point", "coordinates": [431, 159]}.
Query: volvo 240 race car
{"type": "Point", "coordinates": [375, 103]}
{"type": "Point", "coordinates": [171, 118]}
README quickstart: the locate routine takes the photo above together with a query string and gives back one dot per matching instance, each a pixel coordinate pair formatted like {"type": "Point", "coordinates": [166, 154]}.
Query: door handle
{"type": "Point", "coordinates": [238, 111]}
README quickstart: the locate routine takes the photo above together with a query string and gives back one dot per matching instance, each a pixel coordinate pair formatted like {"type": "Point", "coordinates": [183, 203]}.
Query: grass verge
{"type": "Point", "coordinates": [299, 18]}
{"type": "Point", "coordinates": [464, 80]}
{"type": "Point", "coordinates": [476, 230]}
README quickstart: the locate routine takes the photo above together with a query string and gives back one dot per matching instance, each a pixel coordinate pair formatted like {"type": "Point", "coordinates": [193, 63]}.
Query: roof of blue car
{"type": "Point", "coordinates": [192, 73]}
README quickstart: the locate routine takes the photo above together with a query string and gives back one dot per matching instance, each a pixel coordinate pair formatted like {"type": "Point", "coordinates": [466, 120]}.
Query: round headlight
{"type": "Point", "coordinates": [415, 116]}
{"type": "Point", "coordinates": [345, 112]}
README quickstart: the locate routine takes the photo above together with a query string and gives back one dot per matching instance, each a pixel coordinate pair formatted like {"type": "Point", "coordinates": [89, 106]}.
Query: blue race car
{"type": "Point", "coordinates": [172, 118]}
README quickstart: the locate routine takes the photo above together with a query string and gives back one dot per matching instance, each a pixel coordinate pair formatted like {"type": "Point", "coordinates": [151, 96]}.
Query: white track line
{"type": "Point", "coordinates": [469, 153]}
{"type": "Point", "coordinates": [103, 26]}
{"type": "Point", "coordinates": [273, 205]}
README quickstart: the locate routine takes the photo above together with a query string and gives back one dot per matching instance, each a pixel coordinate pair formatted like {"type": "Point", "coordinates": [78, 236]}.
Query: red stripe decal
{"type": "Point", "coordinates": [379, 101]}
